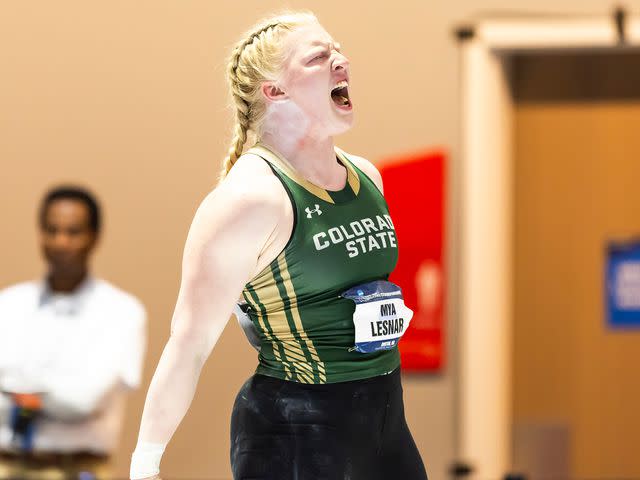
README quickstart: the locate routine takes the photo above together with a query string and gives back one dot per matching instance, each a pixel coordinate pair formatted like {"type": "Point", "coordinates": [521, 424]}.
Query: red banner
{"type": "Point", "coordinates": [414, 187]}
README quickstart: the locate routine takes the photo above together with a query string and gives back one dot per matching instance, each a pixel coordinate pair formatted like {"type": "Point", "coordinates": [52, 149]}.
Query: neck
{"type": "Point", "coordinates": [66, 282]}
{"type": "Point", "coordinates": [314, 157]}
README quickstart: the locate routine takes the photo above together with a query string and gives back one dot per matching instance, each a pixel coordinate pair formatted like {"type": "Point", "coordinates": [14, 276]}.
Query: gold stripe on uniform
{"type": "Point", "coordinates": [277, 159]}
{"type": "Point", "coordinates": [274, 347]}
{"type": "Point", "coordinates": [352, 175]}
{"type": "Point", "coordinates": [304, 377]}
{"type": "Point", "coordinates": [293, 301]}
{"type": "Point", "coordinates": [305, 366]}
{"type": "Point", "coordinates": [280, 325]}
{"type": "Point", "coordinates": [293, 353]}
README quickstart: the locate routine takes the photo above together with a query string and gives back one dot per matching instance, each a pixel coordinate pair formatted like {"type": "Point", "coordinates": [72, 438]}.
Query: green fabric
{"type": "Point", "coordinates": [339, 239]}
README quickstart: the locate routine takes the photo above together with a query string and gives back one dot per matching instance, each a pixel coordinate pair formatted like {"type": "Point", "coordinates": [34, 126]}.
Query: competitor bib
{"type": "Point", "coordinates": [381, 317]}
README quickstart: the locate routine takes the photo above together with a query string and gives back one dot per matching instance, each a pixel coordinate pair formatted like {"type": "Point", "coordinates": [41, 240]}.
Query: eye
{"type": "Point", "coordinates": [319, 56]}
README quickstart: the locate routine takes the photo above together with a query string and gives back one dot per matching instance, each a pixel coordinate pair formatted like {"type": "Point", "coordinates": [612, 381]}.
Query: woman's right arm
{"type": "Point", "coordinates": [227, 237]}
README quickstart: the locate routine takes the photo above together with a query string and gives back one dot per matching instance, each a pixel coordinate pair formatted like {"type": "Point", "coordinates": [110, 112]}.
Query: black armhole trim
{"type": "Point", "coordinates": [293, 204]}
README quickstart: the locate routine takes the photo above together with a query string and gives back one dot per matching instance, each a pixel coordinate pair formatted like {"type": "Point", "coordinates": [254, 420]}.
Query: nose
{"type": "Point", "coordinates": [340, 62]}
{"type": "Point", "coordinates": [61, 241]}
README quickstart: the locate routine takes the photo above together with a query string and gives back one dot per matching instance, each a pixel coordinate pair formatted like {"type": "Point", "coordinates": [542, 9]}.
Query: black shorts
{"type": "Point", "coordinates": [283, 430]}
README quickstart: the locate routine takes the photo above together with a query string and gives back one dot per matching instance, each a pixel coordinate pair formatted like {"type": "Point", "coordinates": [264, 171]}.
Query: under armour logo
{"type": "Point", "coordinates": [315, 210]}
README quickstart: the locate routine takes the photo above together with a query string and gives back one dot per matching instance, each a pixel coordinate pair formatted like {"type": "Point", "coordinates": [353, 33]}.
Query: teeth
{"type": "Point", "coordinates": [339, 99]}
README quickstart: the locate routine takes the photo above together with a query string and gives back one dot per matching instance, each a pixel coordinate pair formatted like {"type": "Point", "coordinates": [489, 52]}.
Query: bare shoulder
{"type": "Point", "coordinates": [368, 168]}
{"type": "Point", "coordinates": [249, 190]}
{"type": "Point", "coordinates": [237, 222]}
{"type": "Point", "coordinates": [252, 177]}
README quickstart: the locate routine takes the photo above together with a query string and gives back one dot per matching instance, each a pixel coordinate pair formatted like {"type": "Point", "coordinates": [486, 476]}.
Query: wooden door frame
{"type": "Point", "coordinates": [486, 206]}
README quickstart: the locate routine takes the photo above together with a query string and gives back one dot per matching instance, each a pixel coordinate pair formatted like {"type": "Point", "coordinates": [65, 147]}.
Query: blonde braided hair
{"type": "Point", "coordinates": [256, 59]}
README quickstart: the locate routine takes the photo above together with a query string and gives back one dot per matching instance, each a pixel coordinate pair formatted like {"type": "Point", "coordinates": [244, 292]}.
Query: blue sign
{"type": "Point", "coordinates": [623, 284]}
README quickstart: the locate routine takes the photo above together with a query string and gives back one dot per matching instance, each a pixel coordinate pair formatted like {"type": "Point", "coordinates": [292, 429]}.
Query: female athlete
{"type": "Point", "coordinates": [301, 230]}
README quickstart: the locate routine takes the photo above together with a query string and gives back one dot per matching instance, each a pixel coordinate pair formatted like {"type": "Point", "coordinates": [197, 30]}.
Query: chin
{"type": "Point", "coordinates": [342, 124]}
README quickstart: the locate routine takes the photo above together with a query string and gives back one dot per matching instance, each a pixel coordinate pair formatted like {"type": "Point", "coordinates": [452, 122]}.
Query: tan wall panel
{"type": "Point", "coordinates": [575, 189]}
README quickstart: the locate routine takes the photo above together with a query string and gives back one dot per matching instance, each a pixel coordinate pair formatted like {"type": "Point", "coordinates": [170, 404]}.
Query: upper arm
{"type": "Point", "coordinates": [369, 169]}
{"type": "Point", "coordinates": [226, 238]}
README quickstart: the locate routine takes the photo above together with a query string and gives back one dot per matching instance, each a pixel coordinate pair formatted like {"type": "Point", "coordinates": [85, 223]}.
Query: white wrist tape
{"type": "Point", "coordinates": [145, 460]}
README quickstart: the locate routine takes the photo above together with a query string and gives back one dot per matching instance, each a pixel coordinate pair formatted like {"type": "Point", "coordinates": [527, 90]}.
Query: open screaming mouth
{"type": "Point", "coordinates": [340, 95]}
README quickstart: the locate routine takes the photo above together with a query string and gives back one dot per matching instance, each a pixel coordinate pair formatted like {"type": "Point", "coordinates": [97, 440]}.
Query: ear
{"type": "Point", "coordinates": [95, 241]}
{"type": "Point", "coordinates": [273, 93]}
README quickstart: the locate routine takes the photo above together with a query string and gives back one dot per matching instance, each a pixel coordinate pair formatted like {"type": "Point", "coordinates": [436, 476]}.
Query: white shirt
{"type": "Point", "coordinates": [81, 350]}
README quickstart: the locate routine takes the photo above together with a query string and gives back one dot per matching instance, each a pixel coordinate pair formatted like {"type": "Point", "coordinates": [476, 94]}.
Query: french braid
{"type": "Point", "coordinates": [254, 60]}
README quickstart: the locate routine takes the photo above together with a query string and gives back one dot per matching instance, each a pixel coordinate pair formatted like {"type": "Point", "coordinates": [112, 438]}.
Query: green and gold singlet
{"type": "Point", "coordinates": [339, 239]}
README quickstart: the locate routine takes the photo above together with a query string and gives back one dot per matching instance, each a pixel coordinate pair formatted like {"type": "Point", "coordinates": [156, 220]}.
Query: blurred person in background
{"type": "Point", "coordinates": [71, 346]}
